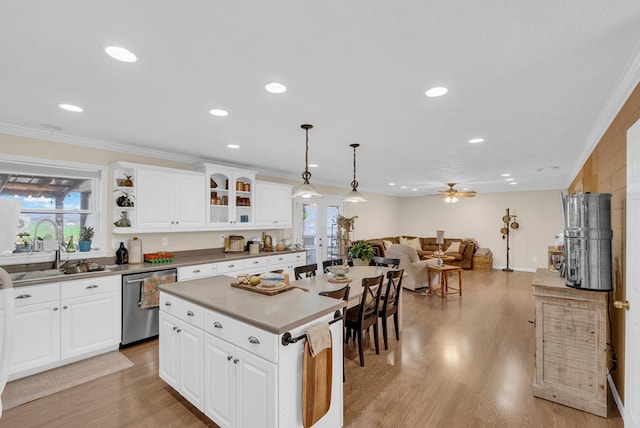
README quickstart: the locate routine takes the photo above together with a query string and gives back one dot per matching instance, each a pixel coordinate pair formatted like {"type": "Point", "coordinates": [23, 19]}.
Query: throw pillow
{"type": "Point", "coordinates": [387, 244]}
{"type": "Point", "coordinates": [412, 242]}
{"type": "Point", "coordinates": [453, 248]}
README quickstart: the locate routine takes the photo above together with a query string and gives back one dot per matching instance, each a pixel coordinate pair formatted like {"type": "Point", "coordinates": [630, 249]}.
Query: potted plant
{"type": "Point", "coordinates": [362, 253]}
{"type": "Point", "coordinates": [84, 244]}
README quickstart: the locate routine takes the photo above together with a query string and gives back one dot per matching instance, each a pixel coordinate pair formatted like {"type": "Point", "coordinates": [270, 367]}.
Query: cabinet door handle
{"type": "Point", "coordinates": [89, 287]}
{"type": "Point", "coordinates": [55, 309]}
{"type": "Point", "coordinates": [229, 357]}
{"type": "Point", "coordinates": [217, 325]}
{"type": "Point", "coordinates": [177, 222]}
{"type": "Point", "coordinates": [23, 296]}
{"type": "Point", "coordinates": [253, 339]}
{"type": "Point", "coordinates": [172, 222]}
{"type": "Point", "coordinates": [178, 331]}
{"type": "Point", "coordinates": [190, 314]}
{"type": "Point", "coordinates": [196, 271]}
{"type": "Point", "coordinates": [167, 303]}
{"type": "Point", "coordinates": [65, 307]}
{"type": "Point", "coordinates": [235, 361]}
{"type": "Point", "coordinates": [175, 328]}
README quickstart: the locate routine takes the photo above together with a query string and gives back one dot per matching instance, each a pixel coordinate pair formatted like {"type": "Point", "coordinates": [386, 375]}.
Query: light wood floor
{"type": "Point", "coordinates": [462, 362]}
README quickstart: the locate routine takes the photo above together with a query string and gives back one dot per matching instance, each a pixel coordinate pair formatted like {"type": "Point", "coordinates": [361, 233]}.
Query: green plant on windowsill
{"type": "Point", "coordinates": [84, 243]}
{"type": "Point", "coordinates": [362, 250]}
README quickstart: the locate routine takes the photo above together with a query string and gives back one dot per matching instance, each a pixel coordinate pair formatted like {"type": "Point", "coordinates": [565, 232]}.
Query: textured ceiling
{"type": "Point", "coordinates": [531, 77]}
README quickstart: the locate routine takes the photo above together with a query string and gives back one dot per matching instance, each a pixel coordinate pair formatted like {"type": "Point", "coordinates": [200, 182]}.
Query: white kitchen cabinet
{"type": "Point", "coordinates": [197, 271]}
{"type": "Point", "coordinates": [287, 262]}
{"type": "Point", "coordinates": [230, 196]}
{"type": "Point", "coordinates": [36, 328]}
{"type": "Point", "coordinates": [59, 323]}
{"type": "Point", "coordinates": [169, 199]}
{"type": "Point", "coordinates": [181, 357]}
{"type": "Point", "coordinates": [90, 315]}
{"type": "Point", "coordinates": [273, 205]}
{"type": "Point", "coordinates": [240, 388]}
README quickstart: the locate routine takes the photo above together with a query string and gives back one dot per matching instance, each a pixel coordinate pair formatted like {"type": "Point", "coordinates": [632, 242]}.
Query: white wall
{"type": "Point", "coordinates": [539, 214]}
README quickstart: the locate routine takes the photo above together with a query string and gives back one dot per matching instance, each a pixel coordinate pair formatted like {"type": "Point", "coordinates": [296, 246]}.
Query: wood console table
{"type": "Point", "coordinates": [571, 344]}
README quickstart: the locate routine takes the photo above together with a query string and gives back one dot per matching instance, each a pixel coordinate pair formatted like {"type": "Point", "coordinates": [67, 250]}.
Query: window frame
{"type": "Point", "coordinates": [99, 173]}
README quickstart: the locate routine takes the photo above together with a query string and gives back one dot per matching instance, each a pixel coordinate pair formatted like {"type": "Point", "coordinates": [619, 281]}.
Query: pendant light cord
{"type": "Point", "coordinates": [354, 183]}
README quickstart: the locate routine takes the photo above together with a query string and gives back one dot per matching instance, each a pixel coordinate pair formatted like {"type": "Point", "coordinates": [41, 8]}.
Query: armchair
{"type": "Point", "coordinates": [414, 268]}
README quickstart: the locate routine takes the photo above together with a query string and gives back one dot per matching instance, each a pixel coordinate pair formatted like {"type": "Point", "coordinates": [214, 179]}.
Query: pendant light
{"type": "Point", "coordinates": [354, 195]}
{"type": "Point", "coordinates": [306, 190]}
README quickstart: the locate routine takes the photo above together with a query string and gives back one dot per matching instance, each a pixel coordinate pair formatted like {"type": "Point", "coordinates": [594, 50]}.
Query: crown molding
{"type": "Point", "coordinates": [627, 82]}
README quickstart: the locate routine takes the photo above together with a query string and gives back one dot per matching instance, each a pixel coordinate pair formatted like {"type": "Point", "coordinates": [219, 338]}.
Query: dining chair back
{"type": "Point", "coordinates": [389, 302]}
{"type": "Point", "coordinates": [327, 263]}
{"type": "Point", "coordinates": [365, 315]}
{"type": "Point", "coordinates": [307, 270]}
{"type": "Point", "coordinates": [386, 262]}
{"type": "Point", "coordinates": [341, 293]}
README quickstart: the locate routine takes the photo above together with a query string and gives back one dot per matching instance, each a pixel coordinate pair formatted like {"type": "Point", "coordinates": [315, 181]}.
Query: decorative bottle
{"type": "Point", "coordinates": [122, 255]}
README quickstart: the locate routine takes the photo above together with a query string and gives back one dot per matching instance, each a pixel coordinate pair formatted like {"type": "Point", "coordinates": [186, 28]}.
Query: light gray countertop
{"type": "Point", "coordinates": [275, 314]}
{"type": "Point", "coordinates": [186, 258]}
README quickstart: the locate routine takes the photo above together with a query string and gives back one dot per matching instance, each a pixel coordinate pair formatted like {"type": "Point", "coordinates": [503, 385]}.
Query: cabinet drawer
{"type": "Point", "coordinates": [89, 286]}
{"type": "Point", "coordinates": [257, 265]}
{"type": "Point", "coordinates": [196, 271]}
{"type": "Point", "coordinates": [230, 266]}
{"type": "Point", "coordinates": [180, 308]}
{"type": "Point", "coordinates": [36, 294]}
{"type": "Point", "coordinates": [300, 257]}
{"type": "Point", "coordinates": [245, 336]}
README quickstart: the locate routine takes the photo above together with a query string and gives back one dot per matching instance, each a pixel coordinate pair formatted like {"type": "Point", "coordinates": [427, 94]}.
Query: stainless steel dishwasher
{"type": "Point", "coordinates": [137, 323]}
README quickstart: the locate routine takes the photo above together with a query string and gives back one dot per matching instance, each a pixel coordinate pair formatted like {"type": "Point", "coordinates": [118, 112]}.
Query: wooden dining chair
{"type": "Point", "coordinates": [386, 262]}
{"type": "Point", "coordinates": [389, 302]}
{"type": "Point", "coordinates": [365, 315]}
{"type": "Point", "coordinates": [327, 263]}
{"type": "Point", "coordinates": [308, 271]}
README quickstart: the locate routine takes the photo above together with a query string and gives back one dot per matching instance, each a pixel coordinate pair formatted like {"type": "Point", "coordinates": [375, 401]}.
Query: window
{"type": "Point", "coordinates": [67, 195]}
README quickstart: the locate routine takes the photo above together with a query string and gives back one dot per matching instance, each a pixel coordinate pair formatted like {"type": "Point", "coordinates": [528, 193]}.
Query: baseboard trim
{"type": "Point", "coordinates": [616, 396]}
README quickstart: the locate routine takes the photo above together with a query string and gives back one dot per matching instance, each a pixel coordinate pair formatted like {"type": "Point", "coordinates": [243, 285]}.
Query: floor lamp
{"type": "Point", "coordinates": [509, 222]}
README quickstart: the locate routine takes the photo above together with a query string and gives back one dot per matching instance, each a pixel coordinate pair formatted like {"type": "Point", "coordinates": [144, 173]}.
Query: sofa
{"type": "Point", "coordinates": [415, 270]}
{"type": "Point", "coordinates": [463, 256]}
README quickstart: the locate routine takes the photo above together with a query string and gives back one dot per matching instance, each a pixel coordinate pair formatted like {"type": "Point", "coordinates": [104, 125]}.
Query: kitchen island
{"type": "Point", "coordinates": [222, 349]}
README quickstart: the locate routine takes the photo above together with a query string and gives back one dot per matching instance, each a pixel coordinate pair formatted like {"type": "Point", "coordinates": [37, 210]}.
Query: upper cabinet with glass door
{"type": "Point", "coordinates": [230, 196]}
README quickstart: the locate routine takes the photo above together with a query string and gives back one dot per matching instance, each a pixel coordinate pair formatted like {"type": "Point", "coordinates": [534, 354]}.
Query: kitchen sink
{"type": "Point", "coordinates": [42, 274]}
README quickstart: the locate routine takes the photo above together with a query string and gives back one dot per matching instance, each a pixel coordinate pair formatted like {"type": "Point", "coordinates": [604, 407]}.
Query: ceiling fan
{"type": "Point", "coordinates": [451, 195]}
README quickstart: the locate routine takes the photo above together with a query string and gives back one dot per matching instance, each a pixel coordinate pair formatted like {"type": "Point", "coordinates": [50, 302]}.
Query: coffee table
{"type": "Point", "coordinates": [444, 272]}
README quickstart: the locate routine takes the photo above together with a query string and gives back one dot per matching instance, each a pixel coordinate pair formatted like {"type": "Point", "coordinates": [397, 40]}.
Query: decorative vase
{"type": "Point", "coordinates": [360, 262]}
{"type": "Point", "coordinates": [123, 221]}
{"type": "Point", "coordinates": [84, 246]}
{"type": "Point", "coordinates": [70, 247]}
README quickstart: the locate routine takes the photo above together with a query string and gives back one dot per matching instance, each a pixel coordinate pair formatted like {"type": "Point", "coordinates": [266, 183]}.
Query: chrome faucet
{"type": "Point", "coordinates": [39, 247]}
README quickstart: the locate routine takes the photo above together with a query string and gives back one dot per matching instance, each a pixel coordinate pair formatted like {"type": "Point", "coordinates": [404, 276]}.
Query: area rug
{"type": "Point", "coordinates": [40, 385]}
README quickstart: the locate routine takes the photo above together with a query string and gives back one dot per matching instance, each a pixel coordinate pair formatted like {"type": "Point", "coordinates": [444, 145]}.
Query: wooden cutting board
{"type": "Point", "coordinates": [265, 291]}
{"type": "Point", "coordinates": [316, 385]}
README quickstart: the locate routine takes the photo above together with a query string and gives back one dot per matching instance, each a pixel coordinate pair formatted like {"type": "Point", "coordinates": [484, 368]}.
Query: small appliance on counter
{"type": "Point", "coordinates": [234, 244]}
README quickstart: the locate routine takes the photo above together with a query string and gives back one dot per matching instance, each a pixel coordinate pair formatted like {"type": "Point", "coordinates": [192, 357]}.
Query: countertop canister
{"type": "Point", "coordinates": [135, 251]}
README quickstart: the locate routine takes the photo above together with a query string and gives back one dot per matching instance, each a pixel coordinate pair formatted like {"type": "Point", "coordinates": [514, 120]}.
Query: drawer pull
{"type": "Point", "coordinates": [89, 287]}
{"type": "Point", "coordinates": [65, 307]}
{"type": "Point", "coordinates": [175, 328]}
{"type": "Point", "coordinates": [190, 314]}
{"type": "Point", "coordinates": [55, 309]}
{"type": "Point", "coordinates": [235, 360]}
{"type": "Point", "coordinates": [253, 339]}
{"type": "Point", "coordinates": [280, 259]}
{"type": "Point", "coordinates": [256, 262]}
{"type": "Point", "coordinates": [178, 331]}
{"type": "Point", "coordinates": [229, 357]}
{"type": "Point", "coordinates": [167, 303]}
{"type": "Point", "coordinates": [217, 325]}
{"type": "Point", "coordinates": [23, 296]}
{"type": "Point", "coordinates": [196, 271]}
{"type": "Point", "coordinates": [230, 266]}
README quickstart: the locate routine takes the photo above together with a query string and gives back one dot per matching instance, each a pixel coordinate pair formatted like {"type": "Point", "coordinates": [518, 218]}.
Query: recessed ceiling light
{"type": "Point", "coordinates": [313, 165]}
{"type": "Point", "coordinates": [392, 184]}
{"type": "Point", "coordinates": [275, 88]}
{"type": "Point", "coordinates": [510, 179]}
{"type": "Point", "coordinates": [403, 187]}
{"type": "Point", "coordinates": [71, 107]}
{"type": "Point", "coordinates": [539, 169]}
{"type": "Point", "coordinates": [514, 182]}
{"type": "Point", "coordinates": [506, 175]}
{"type": "Point", "coordinates": [233, 146]}
{"type": "Point", "coordinates": [414, 189]}
{"type": "Point", "coordinates": [465, 188]}
{"type": "Point", "coordinates": [121, 54]}
{"type": "Point", "coordinates": [476, 140]}
{"type": "Point", "coordinates": [219, 112]}
{"type": "Point", "coordinates": [436, 92]}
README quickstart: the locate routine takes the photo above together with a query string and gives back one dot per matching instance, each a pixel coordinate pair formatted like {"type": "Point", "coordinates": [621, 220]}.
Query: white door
{"type": "Point", "coordinates": [90, 323]}
{"type": "Point", "coordinates": [168, 354]}
{"type": "Point", "coordinates": [36, 339]}
{"type": "Point", "coordinates": [154, 199]}
{"type": "Point", "coordinates": [632, 317]}
{"type": "Point", "coordinates": [315, 227]}
{"type": "Point", "coordinates": [190, 357]}
{"type": "Point", "coordinates": [190, 200]}
{"type": "Point", "coordinates": [219, 381]}
{"type": "Point", "coordinates": [256, 392]}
